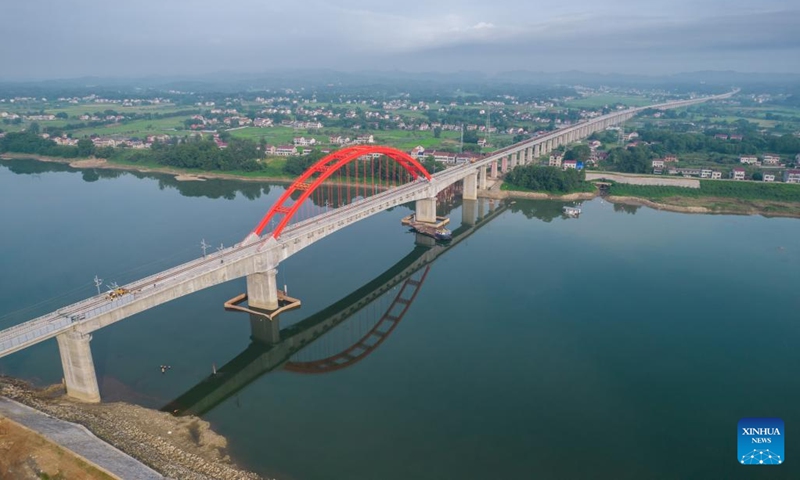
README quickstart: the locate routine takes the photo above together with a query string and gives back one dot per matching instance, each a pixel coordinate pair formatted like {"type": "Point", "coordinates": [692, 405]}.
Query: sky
{"type": "Point", "coordinates": [45, 39]}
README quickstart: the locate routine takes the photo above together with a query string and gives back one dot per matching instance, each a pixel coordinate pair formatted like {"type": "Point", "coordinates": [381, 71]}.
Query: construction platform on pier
{"type": "Point", "coordinates": [440, 221]}
{"type": "Point", "coordinates": [285, 303]}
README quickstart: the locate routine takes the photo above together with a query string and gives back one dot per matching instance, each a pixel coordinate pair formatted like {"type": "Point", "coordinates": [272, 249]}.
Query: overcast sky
{"type": "Point", "coordinates": [61, 39]}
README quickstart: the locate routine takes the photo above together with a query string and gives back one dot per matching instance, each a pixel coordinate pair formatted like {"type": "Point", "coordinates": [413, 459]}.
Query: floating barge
{"type": "Point", "coordinates": [438, 233]}
{"type": "Point", "coordinates": [572, 211]}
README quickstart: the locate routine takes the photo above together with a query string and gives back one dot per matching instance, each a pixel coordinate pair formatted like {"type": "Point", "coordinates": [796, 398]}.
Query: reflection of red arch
{"type": "Point", "coordinates": [369, 342]}
{"type": "Point", "coordinates": [326, 167]}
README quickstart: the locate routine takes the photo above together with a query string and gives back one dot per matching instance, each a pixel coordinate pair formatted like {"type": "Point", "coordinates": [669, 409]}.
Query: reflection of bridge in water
{"type": "Point", "coordinates": [338, 336]}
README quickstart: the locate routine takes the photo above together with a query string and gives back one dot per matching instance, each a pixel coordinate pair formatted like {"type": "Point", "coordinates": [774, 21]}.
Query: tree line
{"type": "Point", "coordinates": [548, 179]}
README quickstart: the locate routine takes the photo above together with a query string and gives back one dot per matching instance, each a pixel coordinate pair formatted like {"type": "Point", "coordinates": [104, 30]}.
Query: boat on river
{"type": "Point", "coordinates": [572, 211]}
{"type": "Point", "coordinates": [438, 233]}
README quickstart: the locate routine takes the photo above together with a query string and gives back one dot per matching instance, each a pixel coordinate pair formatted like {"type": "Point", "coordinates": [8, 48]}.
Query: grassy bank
{"type": "Point", "coordinates": [775, 192]}
{"type": "Point", "coordinates": [583, 187]}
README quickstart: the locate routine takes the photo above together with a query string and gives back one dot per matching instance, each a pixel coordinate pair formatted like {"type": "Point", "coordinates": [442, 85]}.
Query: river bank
{"type": "Point", "coordinates": [180, 174]}
{"type": "Point", "coordinates": [177, 447]}
{"type": "Point", "coordinates": [702, 205]}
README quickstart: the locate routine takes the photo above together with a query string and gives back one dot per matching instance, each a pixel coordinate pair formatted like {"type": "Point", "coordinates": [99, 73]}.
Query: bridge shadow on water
{"type": "Point", "coordinates": [373, 311]}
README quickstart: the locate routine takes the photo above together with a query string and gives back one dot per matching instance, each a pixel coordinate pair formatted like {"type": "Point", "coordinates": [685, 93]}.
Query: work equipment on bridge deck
{"type": "Point", "coordinates": [116, 293]}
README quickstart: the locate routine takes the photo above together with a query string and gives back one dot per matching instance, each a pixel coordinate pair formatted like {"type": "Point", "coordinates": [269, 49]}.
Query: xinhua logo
{"type": "Point", "coordinates": [760, 441]}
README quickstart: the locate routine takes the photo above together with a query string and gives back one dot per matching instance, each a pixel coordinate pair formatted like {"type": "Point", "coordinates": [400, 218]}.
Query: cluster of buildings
{"type": "Point", "coordinates": [669, 164]}
{"type": "Point", "coordinates": [767, 160]}
{"type": "Point", "coordinates": [557, 160]}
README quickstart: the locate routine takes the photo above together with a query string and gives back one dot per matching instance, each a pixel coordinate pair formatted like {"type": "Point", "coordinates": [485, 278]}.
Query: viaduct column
{"type": "Point", "coordinates": [504, 165]}
{"type": "Point", "coordinates": [482, 178]}
{"type": "Point", "coordinates": [262, 290]}
{"type": "Point", "coordinates": [536, 152]}
{"type": "Point", "coordinates": [426, 209]}
{"type": "Point", "coordinates": [468, 211]}
{"type": "Point", "coordinates": [494, 169]}
{"type": "Point", "coordinates": [471, 186]}
{"type": "Point", "coordinates": [76, 360]}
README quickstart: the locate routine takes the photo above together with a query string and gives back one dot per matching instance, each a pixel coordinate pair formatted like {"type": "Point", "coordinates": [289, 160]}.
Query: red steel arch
{"type": "Point", "coordinates": [326, 167]}
{"type": "Point", "coordinates": [369, 342]}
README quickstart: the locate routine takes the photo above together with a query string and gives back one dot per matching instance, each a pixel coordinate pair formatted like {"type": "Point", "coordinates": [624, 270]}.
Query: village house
{"type": "Point", "coordinates": [444, 157]}
{"type": "Point", "coordinates": [791, 176]}
{"type": "Point", "coordinates": [482, 142]}
{"type": "Point", "coordinates": [705, 173]}
{"type": "Point", "coordinates": [721, 136]}
{"type": "Point", "coordinates": [748, 160]}
{"type": "Point", "coordinates": [689, 172]}
{"type": "Point", "coordinates": [670, 159]}
{"type": "Point", "coordinates": [769, 177]}
{"type": "Point", "coordinates": [715, 175]}
{"type": "Point", "coordinates": [269, 150]}
{"type": "Point", "coordinates": [555, 160]}
{"type": "Point", "coordinates": [418, 152]}
{"type": "Point", "coordinates": [286, 151]}
{"type": "Point", "coordinates": [771, 160]}
{"type": "Point", "coordinates": [303, 141]}
{"type": "Point", "coordinates": [658, 163]}
{"type": "Point", "coordinates": [569, 164]}
{"type": "Point", "coordinates": [738, 173]}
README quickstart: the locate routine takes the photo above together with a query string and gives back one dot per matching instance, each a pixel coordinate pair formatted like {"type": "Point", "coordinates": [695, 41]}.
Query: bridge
{"type": "Point", "coordinates": [347, 186]}
{"type": "Point", "coordinates": [289, 349]}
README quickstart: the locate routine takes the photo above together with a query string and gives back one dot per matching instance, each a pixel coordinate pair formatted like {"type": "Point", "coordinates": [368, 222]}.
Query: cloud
{"type": "Point", "coordinates": [143, 37]}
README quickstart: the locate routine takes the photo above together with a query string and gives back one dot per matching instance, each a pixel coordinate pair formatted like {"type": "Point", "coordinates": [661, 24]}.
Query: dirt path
{"type": "Point", "coordinates": [26, 455]}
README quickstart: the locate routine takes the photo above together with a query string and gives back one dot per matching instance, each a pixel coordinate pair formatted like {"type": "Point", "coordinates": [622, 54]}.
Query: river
{"type": "Point", "coordinates": [626, 343]}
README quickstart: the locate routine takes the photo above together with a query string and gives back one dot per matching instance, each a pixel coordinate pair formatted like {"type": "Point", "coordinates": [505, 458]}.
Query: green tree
{"type": "Point", "coordinates": [85, 147]}
{"type": "Point", "coordinates": [437, 132]}
{"type": "Point", "coordinates": [34, 128]}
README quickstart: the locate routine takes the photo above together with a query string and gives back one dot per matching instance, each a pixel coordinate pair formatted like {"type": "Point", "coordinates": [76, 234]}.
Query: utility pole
{"type": "Point", "coordinates": [97, 283]}
{"type": "Point", "coordinates": [204, 246]}
{"type": "Point", "coordinates": [461, 148]}
{"type": "Point", "coordinates": [221, 247]}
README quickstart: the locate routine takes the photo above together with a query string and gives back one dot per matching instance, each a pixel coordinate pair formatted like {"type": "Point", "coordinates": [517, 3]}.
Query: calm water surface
{"type": "Point", "coordinates": [623, 344]}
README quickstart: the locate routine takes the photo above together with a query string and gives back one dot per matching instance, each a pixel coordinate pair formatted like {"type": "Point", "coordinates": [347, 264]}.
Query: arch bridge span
{"type": "Point", "coordinates": [331, 202]}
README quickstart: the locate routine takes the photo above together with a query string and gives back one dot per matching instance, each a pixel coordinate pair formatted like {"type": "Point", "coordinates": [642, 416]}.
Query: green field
{"type": "Point", "coordinates": [276, 135]}
{"type": "Point", "coordinates": [138, 128]}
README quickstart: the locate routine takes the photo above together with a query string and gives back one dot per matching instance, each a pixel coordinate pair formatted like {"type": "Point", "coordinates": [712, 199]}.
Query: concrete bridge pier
{"type": "Point", "coordinates": [76, 360]}
{"type": "Point", "coordinates": [494, 169]}
{"type": "Point", "coordinates": [470, 187]}
{"type": "Point", "coordinates": [482, 178]}
{"type": "Point", "coordinates": [426, 209]}
{"type": "Point", "coordinates": [264, 330]}
{"type": "Point", "coordinates": [504, 165]}
{"type": "Point", "coordinates": [262, 290]}
{"type": "Point", "coordinates": [536, 152]}
{"type": "Point", "coordinates": [468, 211]}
